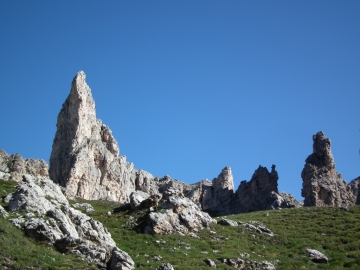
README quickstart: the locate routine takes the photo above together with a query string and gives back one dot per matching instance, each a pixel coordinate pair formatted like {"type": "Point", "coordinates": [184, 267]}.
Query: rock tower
{"type": "Point", "coordinates": [322, 185]}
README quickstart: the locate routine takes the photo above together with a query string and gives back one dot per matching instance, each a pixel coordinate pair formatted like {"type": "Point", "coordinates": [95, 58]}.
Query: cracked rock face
{"type": "Point", "coordinates": [85, 156]}
{"type": "Point", "coordinates": [322, 185]}
{"type": "Point", "coordinates": [69, 230]}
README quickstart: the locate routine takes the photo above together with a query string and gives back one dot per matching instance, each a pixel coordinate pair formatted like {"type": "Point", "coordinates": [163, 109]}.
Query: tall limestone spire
{"type": "Point", "coordinates": [85, 156]}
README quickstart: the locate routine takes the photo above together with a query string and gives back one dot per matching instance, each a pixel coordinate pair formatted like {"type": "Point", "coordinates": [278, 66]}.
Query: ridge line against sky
{"type": "Point", "coordinates": [187, 87]}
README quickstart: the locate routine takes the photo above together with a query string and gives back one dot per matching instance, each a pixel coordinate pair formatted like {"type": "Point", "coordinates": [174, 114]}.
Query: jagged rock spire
{"type": "Point", "coordinates": [85, 156]}
{"type": "Point", "coordinates": [322, 185]}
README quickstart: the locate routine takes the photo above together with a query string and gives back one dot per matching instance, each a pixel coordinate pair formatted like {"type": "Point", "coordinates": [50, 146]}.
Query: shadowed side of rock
{"type": "Point", "coordinates": [354, 185]}
{"type": "Point", "coordinates": [260, 193]}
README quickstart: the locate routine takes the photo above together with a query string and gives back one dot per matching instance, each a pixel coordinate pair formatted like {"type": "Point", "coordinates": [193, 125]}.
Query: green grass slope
{"type": "Point", "coordinates": [332, 231]}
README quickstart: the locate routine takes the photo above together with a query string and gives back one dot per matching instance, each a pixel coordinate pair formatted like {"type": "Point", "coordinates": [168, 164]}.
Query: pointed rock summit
{"type": "Point", "coordinates": [85, 156]}
{"type": "Point", "coordinates": [322, 185]}
{"type": "Point", "coordinates": [85, 159]}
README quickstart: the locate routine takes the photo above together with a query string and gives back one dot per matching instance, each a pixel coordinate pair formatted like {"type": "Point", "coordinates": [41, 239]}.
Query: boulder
{"type": "Point", "coordinates": [136, 198]}
{"type": "Point", "coordinates": [120, 260]}
{"type": "Point", "coordinates": [85, 206]}
{"type": "Point", "coordinates": [165, 266]}
{"type": "Point", "coordinates": [228, 222]}
{"type": "Point", "coordinates": [317, 256]}
{"type": "Point", "coordinates": [322, 185]}
{"type": "Point", "coordinates": [210, 263]}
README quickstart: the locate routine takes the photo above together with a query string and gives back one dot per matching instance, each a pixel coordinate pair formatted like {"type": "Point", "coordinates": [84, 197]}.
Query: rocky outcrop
{"type": "Point", "coordinates": [354, 185]}
{"type": "Point", "coordinates": [12, 167]}
{"type": "Point", "coordinates": [50, 218]}
{"type": "Point", "coordinates": [218, 194]}
{"type": "Point", "coordinates": [322, 185]}
{"type": "Point", "coordinates": [85, 156]}
{"type": "Point", "coordinates": [260, 193]}
{"type": "Point", "coordinates": [85, 159]}
{"type": "Point", "coordinates": [177, 215]}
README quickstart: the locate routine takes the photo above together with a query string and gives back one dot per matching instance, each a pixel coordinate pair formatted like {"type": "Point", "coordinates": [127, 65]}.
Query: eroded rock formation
{"type": "Point", "coordinates": [179, 216]}
{"type": "Point", "coordinates": [322, 185]}
{"type": "Point", "coordinates": [355, 189]}
{"type": "Point", "coordinates": [85, 159]}
{"type": "Point", "coordinates": [261, 192]}
{"type": "Point", "coordinates": [12, 167]}
{"type": "Point", "coordinates": [85, 156]}
{"type": "Point", "coordinates": [50, 218]}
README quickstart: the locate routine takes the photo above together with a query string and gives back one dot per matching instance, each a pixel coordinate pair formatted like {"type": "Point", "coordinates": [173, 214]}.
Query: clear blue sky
{"type": "Point", "coordinates": [189, 87]}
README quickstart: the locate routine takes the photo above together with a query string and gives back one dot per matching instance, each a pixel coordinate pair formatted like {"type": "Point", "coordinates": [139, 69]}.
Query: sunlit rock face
{"type": "Point", "coordinates": [12, 167]}
{"type": "Point", "coordinates": [85, 156]}
{"type": "Point", "coordinates": [322, 185]}
{"type": "Point", "coordinates": [85, 159]}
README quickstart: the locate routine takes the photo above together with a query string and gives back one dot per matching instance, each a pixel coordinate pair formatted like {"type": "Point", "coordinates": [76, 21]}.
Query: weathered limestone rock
{"type": "Point", "coordinates": [220, 193]}
{"type": "Point", "coordinates": [33, 193]}
{"type": "Point", "coordinates": [228, 222]}
{"type": "Point", "coordinates": [136, 198]}
{"type": "Point", "coordinates": [85, 206]}
{"type": "Point", "coordinates": [85, 160]}
{"type": "Point", "coordinates": [210, 263]}
{"type": "Point", "coordinates": [288, 201]}
{"type": "Point", "coordinates": [322, 185]}
{"type": "Point", "coordinates": [58, 223]}
{"type": "Point", "coordinates": [165, 266]}
{"type": "Point", "coordinates": [317, 256]}
{"type": "Point", "coordinates": [14, 166]}
{"type": "Point", "coordinates": [249, 264]}
{"type": "Point", "coordinates": [43, 230]}
{"type": "Point", "coordinates": [85, 156]}
{"type": "Point", "coordinates": [3, 212]}
{"type": "Point", "coordinates": [355, 189]}
{"type": "Point", "coordinates": [120, 260]}
{"type": "Point", "coordinates": [181, 215]}
{"type": "Point", "coordinates": [261, 192]}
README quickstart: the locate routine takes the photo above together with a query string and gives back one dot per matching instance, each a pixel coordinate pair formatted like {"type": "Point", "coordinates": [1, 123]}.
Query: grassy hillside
{"type": "Point", "coordinates": [332, 231]}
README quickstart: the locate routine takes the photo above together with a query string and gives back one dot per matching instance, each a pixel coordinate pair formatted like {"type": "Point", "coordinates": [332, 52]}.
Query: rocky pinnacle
{"type": "Point", "coordinates": [85, 156]}
{"type": "Point", "coordinates": [322, 185]}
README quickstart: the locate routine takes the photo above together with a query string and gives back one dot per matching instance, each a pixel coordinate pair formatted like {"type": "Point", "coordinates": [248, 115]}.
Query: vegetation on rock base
{"type": "Point", "coordinates": [332, 231]}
